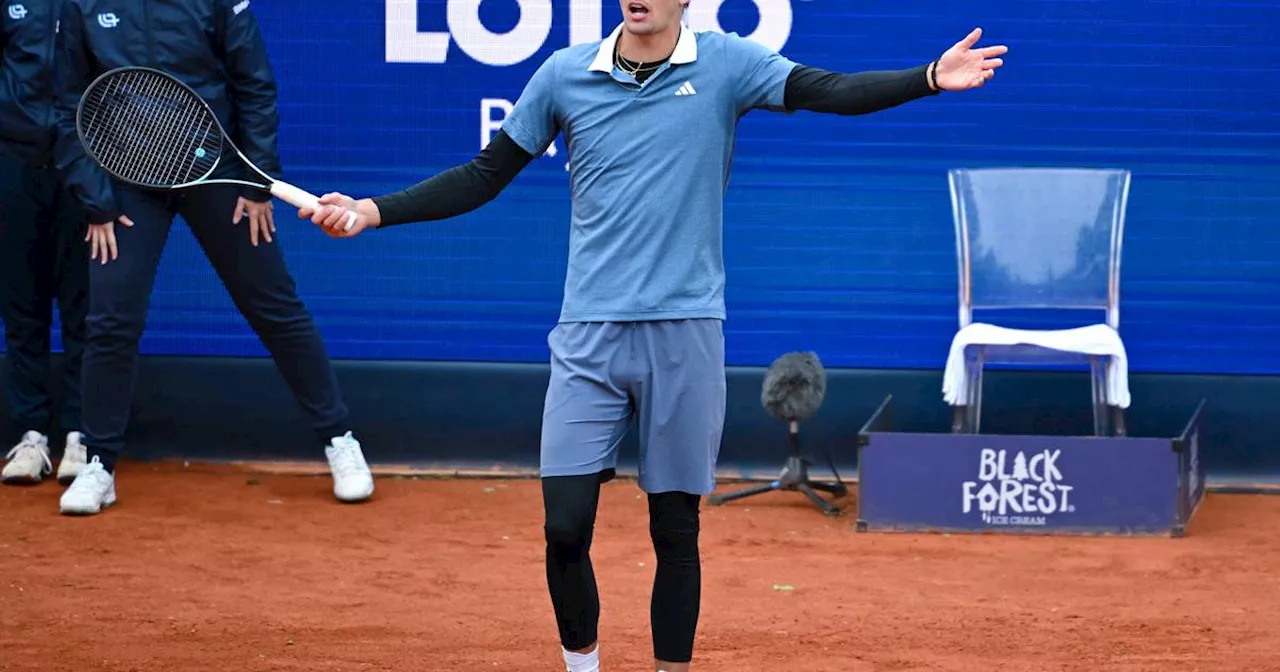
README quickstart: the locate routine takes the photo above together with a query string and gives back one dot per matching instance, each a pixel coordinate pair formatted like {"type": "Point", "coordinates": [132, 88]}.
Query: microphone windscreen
{"type": "Point", "coordinates": [794, 386]}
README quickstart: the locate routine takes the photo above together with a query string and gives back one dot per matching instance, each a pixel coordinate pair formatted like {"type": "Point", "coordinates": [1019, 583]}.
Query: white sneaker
{"type": "Point", "coordinates": [92, 491]}
{"type": "Point", "coordinates": [28, 461]}
{"type": "Point", "coordinates": [73, 459]}
{"type": "Point", "coordinates": [352, 480]}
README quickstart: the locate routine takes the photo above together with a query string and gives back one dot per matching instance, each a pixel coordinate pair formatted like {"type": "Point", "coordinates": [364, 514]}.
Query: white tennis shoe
{"type": "Point", "coordinates": [74, 458]}
{"type": "Point", "coordinates": [28, 461]}
{"type": "Point", "coordinates": [93, 490]}
{"type": "Point", "coordinates": [352, 480]}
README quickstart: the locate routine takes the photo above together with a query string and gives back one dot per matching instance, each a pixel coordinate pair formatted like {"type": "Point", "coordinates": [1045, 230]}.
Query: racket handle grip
{"type": "Point", "coordinates": [303, 200]}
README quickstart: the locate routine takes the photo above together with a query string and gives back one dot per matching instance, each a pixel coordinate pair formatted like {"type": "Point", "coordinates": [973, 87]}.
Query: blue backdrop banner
{"type": "Point", "coordinates": [838, 230]}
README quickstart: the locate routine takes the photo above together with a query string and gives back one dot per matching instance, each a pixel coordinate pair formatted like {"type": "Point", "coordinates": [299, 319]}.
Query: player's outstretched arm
{"type": "Point", "coordinates": [824, 91]}
{"type": "Point", "coordinates": [453, 192]}
{"type": "Point", "coordinates": [961, 67]}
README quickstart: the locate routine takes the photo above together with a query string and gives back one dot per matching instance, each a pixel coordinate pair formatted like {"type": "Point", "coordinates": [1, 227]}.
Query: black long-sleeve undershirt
{"type": "Point", "coordinates": [464, 188]}
{"type": "Point", "coordinates": [817, 90]}
{"type": "Point", "coordinates": [458, 190]}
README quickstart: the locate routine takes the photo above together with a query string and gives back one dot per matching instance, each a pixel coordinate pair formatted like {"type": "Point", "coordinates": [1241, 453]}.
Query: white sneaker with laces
{"type": "Point", "coordinates": [352, 480]}
{"type": "Point", "coordinates": [28, 461]}
{"type": "Point", "coordinates": [73, 459]}
{"type": "Point", "coordinates": [92, 491]}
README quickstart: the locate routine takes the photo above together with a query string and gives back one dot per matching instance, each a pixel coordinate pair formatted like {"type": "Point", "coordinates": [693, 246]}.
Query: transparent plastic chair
{"type": "Point", "coordinates": [1044, 240]}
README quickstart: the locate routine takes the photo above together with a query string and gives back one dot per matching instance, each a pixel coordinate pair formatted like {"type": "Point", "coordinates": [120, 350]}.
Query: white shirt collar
{"type": "Point", "coordinates": [686, 49]}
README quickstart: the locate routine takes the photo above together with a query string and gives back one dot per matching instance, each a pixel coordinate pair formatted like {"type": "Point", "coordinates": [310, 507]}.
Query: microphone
{"type": "Point", "coordinates": [794, 388]}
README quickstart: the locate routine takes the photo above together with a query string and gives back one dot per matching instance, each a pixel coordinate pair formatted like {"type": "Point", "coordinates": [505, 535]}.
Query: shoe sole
{"type": "Point", "coordinates": [22, 480]}
{"type": "Point", "coordinates": [76, 513]}
{"type": "Point", "coordinates": [355, 500]}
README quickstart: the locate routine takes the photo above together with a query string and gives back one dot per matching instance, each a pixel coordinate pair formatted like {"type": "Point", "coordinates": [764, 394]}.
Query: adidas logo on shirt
{"type": "Point", "coordinates": [686, 89]}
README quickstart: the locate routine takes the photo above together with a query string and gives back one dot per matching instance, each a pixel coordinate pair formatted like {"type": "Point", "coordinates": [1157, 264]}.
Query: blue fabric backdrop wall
{"type": "Point", "coordinates": [839, 236]}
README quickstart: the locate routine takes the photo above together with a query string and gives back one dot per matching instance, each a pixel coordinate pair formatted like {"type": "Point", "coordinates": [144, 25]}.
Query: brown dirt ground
{"type": "Point", "coordinates": [205, 568]}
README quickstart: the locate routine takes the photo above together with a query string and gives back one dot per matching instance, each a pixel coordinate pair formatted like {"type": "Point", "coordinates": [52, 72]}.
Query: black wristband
{"type": "Point", "coordinates": [933, 76]}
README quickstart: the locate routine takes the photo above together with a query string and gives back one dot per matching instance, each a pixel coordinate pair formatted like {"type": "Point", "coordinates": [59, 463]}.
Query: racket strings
{"type": "Point", "coordinates": [123, 128]}
{"type": "Point", "coordinates": [147, 128]}
{"type": "Point", "coordinates": [129, 132]}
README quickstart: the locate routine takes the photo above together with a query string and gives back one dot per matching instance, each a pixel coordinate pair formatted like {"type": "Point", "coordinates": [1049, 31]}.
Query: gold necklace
{"type": "Point", "coordinates": [635, 71]}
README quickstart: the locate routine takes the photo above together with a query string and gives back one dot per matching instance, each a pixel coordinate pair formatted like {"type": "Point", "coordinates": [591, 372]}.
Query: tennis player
{"type": "Point", "coordinates": [215, 47]}
{"type": "Point", "coordinates": [649, 115]}
{"type": "Point", "coordinates": [43, 254]}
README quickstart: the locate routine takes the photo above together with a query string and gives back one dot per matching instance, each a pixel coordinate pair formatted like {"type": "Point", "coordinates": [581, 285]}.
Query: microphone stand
{"type": "Point", "coordinates": [794, 477]}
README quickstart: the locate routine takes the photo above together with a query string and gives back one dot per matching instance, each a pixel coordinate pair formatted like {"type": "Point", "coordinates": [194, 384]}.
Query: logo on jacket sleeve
{"type": "Point", "coordinates": [108, 20]}
{"type": "Point", "coordinates": [17, 12]}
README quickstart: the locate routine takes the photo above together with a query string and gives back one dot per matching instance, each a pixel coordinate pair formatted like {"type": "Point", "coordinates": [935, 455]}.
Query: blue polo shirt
{"type": "Point", "coordinates": [649, 164]}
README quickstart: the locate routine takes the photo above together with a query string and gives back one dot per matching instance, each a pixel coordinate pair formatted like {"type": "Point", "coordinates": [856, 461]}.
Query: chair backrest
{"type": "Point", "coordinates": [1039, 238]}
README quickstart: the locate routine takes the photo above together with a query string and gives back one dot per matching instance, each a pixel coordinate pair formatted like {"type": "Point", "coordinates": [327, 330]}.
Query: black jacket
{"type": "Point", "coordinates": [27, 87]}
{"type": "Point", "coordinates": [214, 46]}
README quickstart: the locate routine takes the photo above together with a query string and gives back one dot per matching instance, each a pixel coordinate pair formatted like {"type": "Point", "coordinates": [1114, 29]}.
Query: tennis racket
{"type": "Point", "coordinates": [146, 128]}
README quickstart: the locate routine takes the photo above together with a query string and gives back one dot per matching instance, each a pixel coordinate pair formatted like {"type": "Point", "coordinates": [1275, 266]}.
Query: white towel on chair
{"type": "Point", "coordinates": [1098, 339]}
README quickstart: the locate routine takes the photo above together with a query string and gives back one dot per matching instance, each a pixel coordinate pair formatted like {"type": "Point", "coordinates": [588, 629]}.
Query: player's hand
{"type": "Point", "coordinates": [102, 239]}
{"type": "Point", "coordinates": [963, 67]}
{"type": "Point", "coordinates": [261, 222]}
{"type": "Point", "coordinates": [334, 212]}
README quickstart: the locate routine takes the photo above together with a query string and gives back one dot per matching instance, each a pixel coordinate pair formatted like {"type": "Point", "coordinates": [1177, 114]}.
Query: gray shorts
{"type": "Point", "coordinates": [667, 375]}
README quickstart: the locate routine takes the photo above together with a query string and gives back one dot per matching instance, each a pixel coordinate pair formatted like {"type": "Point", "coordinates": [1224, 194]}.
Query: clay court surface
{"type": "Point", "coordinates": [211, 569]}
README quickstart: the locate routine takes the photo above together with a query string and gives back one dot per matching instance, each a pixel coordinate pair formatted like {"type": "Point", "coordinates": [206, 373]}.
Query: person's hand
{"type": "Point", "coordinates": [963, 67]}
{"type": "Point", "coordinates": [102, 239]}
{"type": "Point", "coordinates": [333, 213]}
{"type": "Point", "coordinates": [261, 222]}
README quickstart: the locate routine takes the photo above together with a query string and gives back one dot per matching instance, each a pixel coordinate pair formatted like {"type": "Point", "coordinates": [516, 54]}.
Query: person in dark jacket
{"type": "Point", "coordinates": [43, 253]}
{"type": "Point", "coordinates": [216, 48]}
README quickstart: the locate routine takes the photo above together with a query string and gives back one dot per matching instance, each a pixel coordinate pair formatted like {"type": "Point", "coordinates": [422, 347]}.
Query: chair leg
{"type": "Point", "coordinates": [1118, 414]}
{"type": "Point", "coordinates": [1101, 404]}
{"type": "Point", "coordinates": [1093, 396]}
{"type": "Point", "coordinates": [1109, 420]}
{"type": "Point", "coordinates": [973, 400]}
{"type": "Point", "coordinates": [1114, 413]}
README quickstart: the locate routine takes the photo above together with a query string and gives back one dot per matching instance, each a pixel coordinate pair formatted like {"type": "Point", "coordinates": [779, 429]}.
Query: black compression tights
{"type": "Point", "coordinates": [570, 505]}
